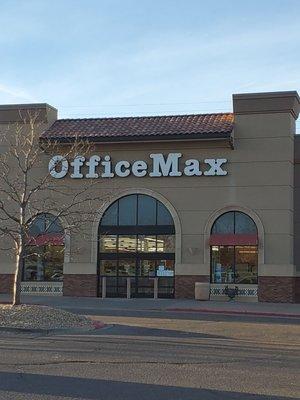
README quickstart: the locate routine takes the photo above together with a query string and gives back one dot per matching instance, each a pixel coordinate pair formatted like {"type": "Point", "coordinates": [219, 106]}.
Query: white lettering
{"type": "Point", "coordinates": [53, 164]}
{"type": "Point", "coordinates": [92, 164]}
{"type": "Point", "coordinates": [215, 166]}
{"type": "Point", "coordinates": [139, 168]}
{"type": "Point", "coordinates": [77, 164]}
{"type": "Point", "coordinates": [192, 168]}
{"type": "Point", "coordinates": [162, 165]}
{"type": "Point", "coordinates": [107, 168]}
{"type": "Point", "coordinates": [167, 167]}
{"type": "Point", "coordinates": [122, 169]}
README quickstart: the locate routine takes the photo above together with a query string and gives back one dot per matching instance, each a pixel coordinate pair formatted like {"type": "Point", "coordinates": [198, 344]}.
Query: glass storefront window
{"type": "Point", "coordinates": [246, 264]}
{"type": "Point", "coordinates": [234, 222]}
{"type": "Point", "coordinates": [222, 258]}
{"type": "Point", "coordinates": [127, 243]}
{"type": "Point", "coordinates": [31, 264]}
{"type": "Point", "coordinates": [53, 260]}
{"type": "Point", "coordinates": [135, 233]}
{"type": "Point", "coordinates": [147, 268]}
{"type": "Point", "coordinates": [108, 243]}
{"type": "Point", "coordinates": [137, 210]}
{"type": "Point", "coordinates": [110, 216]}
{"type": "Point", "coordinates": [44, 263]}
{"type": "Point", "coordinates": [139, 243]}
{"type": "Point", "coordinates": [146, 210]}
{"type": "Point", "coordinates": [244, 224]}
{"type": "Point", "coordinates": [166, 243]}
{"type": "Point", "coordinates": [126, 267]}
{"type": "Point", "coordinates": [165, 268]}
{"type": "Point", "coordinates": [234, 264]}
{"type": "Point", "coordinates": [163, 215]}
{"type": "Point", "coordinates": [146, 244]}
{"type": "Point", "coordinates": [127, 210]}
{"type": "Point", "coordinates": [108, 267]}
{"type": "Point", "coordinates": [224, 224]}
{"type": "Point", "coordinates": [44, 223]}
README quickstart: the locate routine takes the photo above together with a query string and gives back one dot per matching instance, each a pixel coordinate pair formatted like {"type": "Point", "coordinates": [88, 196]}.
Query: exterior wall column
{"type": "Point", "coordinates": [266, 122]}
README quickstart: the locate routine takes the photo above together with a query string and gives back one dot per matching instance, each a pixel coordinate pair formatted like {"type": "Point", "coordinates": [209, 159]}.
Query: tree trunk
{"type": "Point", "coordinates": [17, 279]}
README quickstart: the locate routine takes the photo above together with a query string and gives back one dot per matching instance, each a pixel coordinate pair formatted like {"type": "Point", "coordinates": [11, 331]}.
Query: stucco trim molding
{"type": "Point", "coordinates": [277, 270]}
{"type": "Point", "coordinates": [266, 103]}
{"type": "Point", "coordinates": [99, 213]}
{"type": "Point", "coordinates": [246, 210]}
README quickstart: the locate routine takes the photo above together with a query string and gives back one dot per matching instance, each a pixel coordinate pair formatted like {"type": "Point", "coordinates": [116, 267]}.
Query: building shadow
{"type": "Point", "coordinates": [140, 331]}
{"type": "Point", "coordinates": [98, 389]}
{"type": "Point", "coordinates": [184, 315]}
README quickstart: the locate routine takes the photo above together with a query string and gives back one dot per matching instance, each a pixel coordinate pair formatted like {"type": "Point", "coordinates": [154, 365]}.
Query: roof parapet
{"type": "Point", "coordinates": [267, 103]}
{"type": "Point", "coordinates": [20, 113]}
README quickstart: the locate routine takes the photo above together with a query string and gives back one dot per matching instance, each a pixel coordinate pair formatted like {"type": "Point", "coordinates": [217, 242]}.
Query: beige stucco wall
{"type": "Point", "coordinates": [260, 180]}
{"type": "Point", "coordinates": [13, 117]}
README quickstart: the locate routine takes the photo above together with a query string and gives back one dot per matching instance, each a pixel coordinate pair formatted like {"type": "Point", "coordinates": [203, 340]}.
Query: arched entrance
{"type": "Point", "coordinates": [137, 241]}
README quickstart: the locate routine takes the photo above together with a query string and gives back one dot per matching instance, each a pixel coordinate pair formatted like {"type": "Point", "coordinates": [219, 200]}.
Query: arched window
{"type": "Point", "coordinates": [234, 250]}
{"type": "Point", "coordinates": [137, 240]}
{"type": "Point", "coordinates": [44, 254]}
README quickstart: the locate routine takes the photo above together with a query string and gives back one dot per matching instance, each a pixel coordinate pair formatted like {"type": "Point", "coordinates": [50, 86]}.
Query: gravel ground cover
{"type": "Point", "coordinates": [40, 317]}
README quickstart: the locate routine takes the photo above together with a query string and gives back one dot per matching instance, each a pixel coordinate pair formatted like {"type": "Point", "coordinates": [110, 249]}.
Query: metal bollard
{"type": "Point", "coordinates": [103, 287]}
{"type": "Point", "coordinates": [155, 288]}
{"type": "Point", "coordinates": [128, 288]}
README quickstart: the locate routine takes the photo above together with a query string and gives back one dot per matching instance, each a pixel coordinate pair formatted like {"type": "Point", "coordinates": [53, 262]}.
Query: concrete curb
{"type": "Point", "coordinates": [96, 325]}
{"type": "Point", "coordinates": [235, 312]}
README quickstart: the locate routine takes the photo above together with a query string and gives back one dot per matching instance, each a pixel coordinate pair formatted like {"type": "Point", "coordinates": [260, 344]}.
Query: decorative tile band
{"type": "Point", "coordinates": [219, 290]}
{"type": "Point", "coordinates": [43, 288]}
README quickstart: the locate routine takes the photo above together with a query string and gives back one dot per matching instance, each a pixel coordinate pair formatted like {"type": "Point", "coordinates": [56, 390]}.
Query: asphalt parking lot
{"type": "Point", "coordinates": [156, 354]}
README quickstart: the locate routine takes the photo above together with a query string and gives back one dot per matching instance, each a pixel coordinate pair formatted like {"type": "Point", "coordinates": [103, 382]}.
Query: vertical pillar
{"type": "Point", "coordinates": [103, 287]}
{"type": "Point", "coordinates": [128, 288]}
{"type": "Point", "coordinates": [267, 121]}
{"type": "Point", "coordinates": [155, 296]}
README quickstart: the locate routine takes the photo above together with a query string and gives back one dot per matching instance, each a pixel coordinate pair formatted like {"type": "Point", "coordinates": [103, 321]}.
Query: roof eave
{"type": "Point", "coordinates": [222, 136]}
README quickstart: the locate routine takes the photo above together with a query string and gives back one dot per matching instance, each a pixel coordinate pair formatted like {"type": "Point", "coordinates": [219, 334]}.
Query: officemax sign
{"type": "Point", "coordinates": [157, 166]}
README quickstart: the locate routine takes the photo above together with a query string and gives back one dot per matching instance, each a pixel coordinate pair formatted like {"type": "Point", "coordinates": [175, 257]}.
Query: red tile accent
{"type": "Point", "coordinates": [157, 126]}
{"type": "Point", "coordinates": [233, 239]}
{"type": "Point", "coordinates": [48, 238]}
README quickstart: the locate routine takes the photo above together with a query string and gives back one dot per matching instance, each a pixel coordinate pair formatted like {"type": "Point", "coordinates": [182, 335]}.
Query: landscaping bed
{"type": "Point", "coordinates": [41, 317]}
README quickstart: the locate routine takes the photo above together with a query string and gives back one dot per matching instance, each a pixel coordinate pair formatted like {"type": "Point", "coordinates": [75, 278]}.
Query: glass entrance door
{"type": "Point", "coordinates": [141, 273]}
{"type": "Point", "coordinates": [144, 278]}
{"type": "Point", "coordinates": [137, 242]}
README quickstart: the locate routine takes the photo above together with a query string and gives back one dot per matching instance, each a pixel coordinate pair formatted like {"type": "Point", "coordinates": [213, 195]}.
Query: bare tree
{"type": "Point", "coordinates": [27, 188]}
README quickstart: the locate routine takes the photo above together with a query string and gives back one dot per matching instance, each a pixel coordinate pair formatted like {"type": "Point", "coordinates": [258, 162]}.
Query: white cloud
{"type": "Point", "coordinates": [12, 94]}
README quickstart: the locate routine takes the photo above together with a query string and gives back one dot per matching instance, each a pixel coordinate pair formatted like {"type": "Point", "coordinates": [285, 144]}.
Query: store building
{"type": "Point", "coordinates": [194, 198]}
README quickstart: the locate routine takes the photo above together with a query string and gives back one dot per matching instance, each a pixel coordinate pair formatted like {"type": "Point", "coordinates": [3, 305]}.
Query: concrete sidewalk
{"type": "Point", "coordinates": [229, 307]}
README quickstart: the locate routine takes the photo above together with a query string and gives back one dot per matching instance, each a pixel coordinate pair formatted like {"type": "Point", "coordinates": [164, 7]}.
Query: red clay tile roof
{"type": "Point", "coordinates": [196, 126]}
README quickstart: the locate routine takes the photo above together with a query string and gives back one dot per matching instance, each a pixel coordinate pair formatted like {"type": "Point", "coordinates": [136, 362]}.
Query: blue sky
{"type": "Point", "coordinates": [138, 57]}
